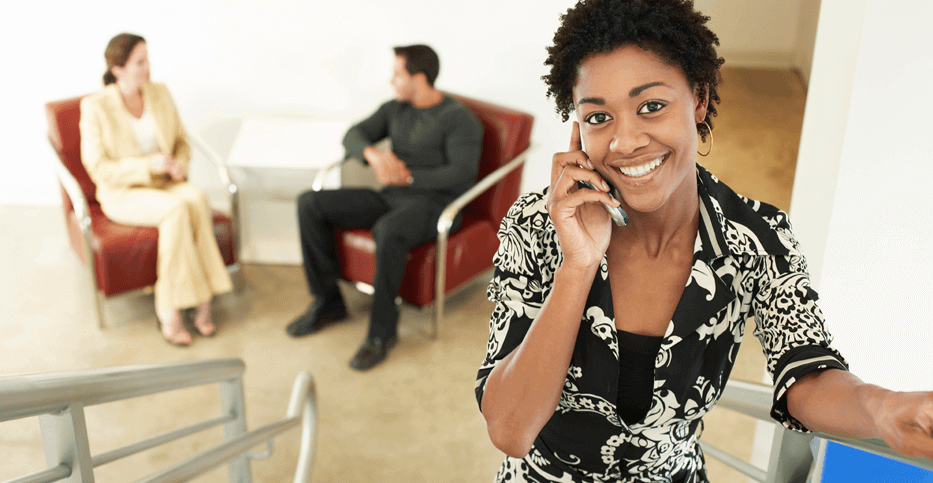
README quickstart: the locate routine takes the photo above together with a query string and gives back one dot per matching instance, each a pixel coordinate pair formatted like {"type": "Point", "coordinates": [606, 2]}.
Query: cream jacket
{"type": "Point", "coordinates": [109, 149]}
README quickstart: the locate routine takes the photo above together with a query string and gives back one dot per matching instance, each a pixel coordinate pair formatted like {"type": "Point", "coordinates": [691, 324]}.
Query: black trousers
{"type": "Point", "coordinates": [399, 219]}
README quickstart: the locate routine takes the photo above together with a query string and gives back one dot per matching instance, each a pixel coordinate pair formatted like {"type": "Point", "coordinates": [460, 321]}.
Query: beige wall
{"type": "Point", "coordinates": [760, 33]}
{"type": "Point", "coordinates": [807, 20]}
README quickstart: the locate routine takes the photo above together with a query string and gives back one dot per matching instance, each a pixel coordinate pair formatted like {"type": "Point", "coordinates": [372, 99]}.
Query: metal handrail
{"type": "Point", "coordinates": [755, 400]}
{"type": "Point", "coordinates": [48, 475]}
{"type": "Point", "coordinates": [59, 401]}
{"type": "Point", "coordinates": [33, 395]}
{"type": "Point", "coordinates": [302, 399]}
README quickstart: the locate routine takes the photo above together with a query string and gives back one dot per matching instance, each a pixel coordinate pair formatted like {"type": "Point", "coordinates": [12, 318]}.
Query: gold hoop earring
{"type": "Point", "coordinates": [710, 131]}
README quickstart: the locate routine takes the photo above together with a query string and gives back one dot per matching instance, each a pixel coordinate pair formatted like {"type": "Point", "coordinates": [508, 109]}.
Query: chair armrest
{"type": "Point", "coordinates": [75, 194]}
{"type": "Point", "coordinates": [83, 214]}
{"type": "Point", "coordinates": [233, 192]}
{"type": "Point", "coordinates": [318, 183]}
{"type": "Point", "coordinates": [446, 220]}
{"type": "Point", "coordinates": [215, 160]}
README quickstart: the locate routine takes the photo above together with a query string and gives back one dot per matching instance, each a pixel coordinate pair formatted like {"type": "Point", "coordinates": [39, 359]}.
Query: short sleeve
{"type": "Point", "coordinates": [790, 325]}
{"type": "Point", "coordinates": [524, 265]}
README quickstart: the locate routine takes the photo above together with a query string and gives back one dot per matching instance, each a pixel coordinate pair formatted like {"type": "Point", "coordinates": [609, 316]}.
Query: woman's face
{"type": "Point", "coordinates": [136, 71]}
{"type": "Point", "coordinates": [638, 119]}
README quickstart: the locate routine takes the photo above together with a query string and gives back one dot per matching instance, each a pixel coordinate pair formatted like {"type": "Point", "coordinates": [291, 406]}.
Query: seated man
{"type": "Point", "coordinates": [436, 144]}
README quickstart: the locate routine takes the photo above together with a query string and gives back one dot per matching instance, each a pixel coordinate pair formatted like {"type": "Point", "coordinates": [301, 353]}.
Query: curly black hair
{"type": "Point", "coordinates": [672, 29]}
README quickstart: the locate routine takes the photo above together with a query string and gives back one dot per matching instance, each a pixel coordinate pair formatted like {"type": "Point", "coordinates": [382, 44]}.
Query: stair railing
{"type": "Point", "coordinates": [58, 400]}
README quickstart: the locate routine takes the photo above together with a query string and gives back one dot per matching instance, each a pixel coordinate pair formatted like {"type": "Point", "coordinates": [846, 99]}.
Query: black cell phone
{"type": "Point", "coordinates": [618, 214]}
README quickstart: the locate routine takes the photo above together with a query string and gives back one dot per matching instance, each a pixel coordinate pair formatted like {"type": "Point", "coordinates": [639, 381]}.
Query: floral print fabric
{"type": "Point", "coordinates": [746, 263]}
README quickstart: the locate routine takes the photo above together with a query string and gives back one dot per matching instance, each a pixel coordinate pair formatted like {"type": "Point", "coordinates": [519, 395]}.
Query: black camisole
{"type": "Point", "coordinates": [637, 354]}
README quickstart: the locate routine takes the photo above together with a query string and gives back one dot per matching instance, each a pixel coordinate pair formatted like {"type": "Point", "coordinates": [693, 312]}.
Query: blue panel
{"type": "Point", "coordinates": [844, 464]}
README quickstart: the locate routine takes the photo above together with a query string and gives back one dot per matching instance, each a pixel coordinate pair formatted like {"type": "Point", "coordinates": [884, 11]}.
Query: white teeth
{"type": "Point", "coordinates": [639, 171]}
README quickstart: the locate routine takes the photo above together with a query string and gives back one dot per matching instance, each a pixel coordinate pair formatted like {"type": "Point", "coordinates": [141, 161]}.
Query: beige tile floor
{"type": "Point", "coordinates": [412, 419]}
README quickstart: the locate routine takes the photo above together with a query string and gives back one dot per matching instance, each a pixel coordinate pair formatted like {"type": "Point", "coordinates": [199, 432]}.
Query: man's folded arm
{"type": "Point", "coordinates": [367, 132]}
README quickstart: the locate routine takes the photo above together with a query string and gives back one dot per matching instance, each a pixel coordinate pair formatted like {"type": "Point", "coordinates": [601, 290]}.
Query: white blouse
{"type": "Point", "coordinates": [145, 130]}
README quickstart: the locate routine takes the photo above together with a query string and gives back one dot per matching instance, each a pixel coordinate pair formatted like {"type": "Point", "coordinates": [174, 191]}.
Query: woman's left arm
{"type": "Point", "coordinates": [837, 402]}
{"type": "Point", "coordinates": [169, 124]}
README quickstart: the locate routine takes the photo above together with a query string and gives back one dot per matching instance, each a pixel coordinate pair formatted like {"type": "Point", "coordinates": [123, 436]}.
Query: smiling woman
{"type": "Point", "coordinates": [638, 115]}
{"type": "Point", "coordinates": [631, 332]}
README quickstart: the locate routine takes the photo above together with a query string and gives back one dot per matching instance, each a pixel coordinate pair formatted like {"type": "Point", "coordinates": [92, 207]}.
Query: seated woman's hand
{"type": "Point", "coordinates": [582, 225]}
{"type": "Point", "coordinates": [165, 164]}
{"type": "Point", "coordinates": [177, 171]}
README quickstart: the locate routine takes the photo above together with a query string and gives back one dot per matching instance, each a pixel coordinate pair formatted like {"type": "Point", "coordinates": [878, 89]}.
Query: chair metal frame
{"type": "Point", "coordinates": [444, 225]}
{"type": "Point", "coordinates": [59, 399]}
{"type": "Point", "coordinates": [791, 456]}
{"type": "Point", "coordinates": [83, 213]}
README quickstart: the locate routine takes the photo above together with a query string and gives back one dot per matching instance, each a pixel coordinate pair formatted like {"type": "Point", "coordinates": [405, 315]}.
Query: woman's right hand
{"type": "Point", "coordinates": [582, 225]}
{"type": "Point", "coordinates": [165, 164]}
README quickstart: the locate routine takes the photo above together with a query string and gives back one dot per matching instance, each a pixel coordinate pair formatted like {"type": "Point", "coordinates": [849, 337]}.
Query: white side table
{"type": "Point", "coordinates": [274, 160]}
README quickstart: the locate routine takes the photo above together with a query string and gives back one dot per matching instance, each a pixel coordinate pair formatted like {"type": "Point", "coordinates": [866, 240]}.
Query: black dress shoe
{"type": "Point", "coordinates": [311, 321]}
{"type": "Point", "coordinates": [373, 351]}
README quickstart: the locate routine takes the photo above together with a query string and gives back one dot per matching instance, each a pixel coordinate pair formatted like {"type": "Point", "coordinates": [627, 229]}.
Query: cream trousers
{"type": "Point", "coordinates": [190, 269]}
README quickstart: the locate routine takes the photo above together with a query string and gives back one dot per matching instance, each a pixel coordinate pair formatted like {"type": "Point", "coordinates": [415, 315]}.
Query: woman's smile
{"type": "Point", "coordinates": [638, 120]}
{"type": "Point", "coordinates": [641, 170]}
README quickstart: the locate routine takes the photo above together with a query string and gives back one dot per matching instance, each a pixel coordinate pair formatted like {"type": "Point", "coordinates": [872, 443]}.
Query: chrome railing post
{"type": "Point", "coordinates": [791, 456]}
{"type": "Point", "coordinates": [303, 404]}
{"type": "Point", "coordinates": [233, 402]}
{"type": "Point", "coordinates": [64, 438]}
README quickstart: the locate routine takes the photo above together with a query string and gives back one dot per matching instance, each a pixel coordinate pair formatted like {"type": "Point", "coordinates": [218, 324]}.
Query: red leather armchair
{"type": "Point", "coordinates": [119, 258]}
{"type": "Point", "coordinates": [439, 267]}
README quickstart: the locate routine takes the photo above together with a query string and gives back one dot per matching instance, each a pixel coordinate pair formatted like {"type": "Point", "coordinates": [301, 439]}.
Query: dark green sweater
{"type": "Point", "coordinates": [440, 144]}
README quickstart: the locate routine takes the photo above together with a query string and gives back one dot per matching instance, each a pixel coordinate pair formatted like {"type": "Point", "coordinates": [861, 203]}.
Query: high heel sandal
{"type": "Point", "coordinates": [204, 326]}
{"type": "Point", "coordinates": [180, 338]}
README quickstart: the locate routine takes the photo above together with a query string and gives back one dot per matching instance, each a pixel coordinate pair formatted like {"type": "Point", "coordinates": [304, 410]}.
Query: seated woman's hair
{"type": "Point", "coordinates": [118, 51]}
{"type": "Point", "coordinates": [672, 29]}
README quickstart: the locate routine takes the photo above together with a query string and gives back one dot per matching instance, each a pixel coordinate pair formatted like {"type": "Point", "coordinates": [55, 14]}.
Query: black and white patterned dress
{"type": "Point", "coordinates": [746, 262]}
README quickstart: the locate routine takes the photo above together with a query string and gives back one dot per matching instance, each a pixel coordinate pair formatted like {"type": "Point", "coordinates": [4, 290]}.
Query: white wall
{"type": "Point", "coordinates": [862, 203]}
{"type": "Point", "coordinates": [226, 59]}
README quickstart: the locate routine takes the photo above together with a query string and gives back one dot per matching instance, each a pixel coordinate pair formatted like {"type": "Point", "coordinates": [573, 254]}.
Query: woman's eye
{"type": "Point", "coordinates": [597, 118]}
{"type": "Point", "coordinates": [651, 107]}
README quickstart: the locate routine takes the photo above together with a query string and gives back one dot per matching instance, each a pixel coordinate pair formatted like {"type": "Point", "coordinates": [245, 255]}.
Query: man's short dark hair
{"type": "Point", "coordinates": [420, 58]}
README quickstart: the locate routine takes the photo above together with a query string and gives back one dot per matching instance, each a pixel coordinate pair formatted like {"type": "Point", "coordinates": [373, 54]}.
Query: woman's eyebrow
{"type": "Point", "coordinates": [599, 101]}
{"type": "Point", "coordinates": [638, 90]}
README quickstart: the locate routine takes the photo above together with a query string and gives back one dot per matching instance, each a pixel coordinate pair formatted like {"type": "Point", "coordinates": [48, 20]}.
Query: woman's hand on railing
{"type": "Point", "coordinates": [838, 403]}
{"type": "Point", "coordinates": [905, 421]}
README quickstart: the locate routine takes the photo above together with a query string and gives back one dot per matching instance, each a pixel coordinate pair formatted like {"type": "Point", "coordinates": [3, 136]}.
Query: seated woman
{"type": "Point", "coordinates": [609, 343]}
{"type": "Point", "coordinates": [134, 148]}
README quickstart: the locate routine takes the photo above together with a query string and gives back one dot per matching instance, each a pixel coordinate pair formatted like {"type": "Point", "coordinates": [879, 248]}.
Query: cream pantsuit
{"type": "Point", "coordinates": [190, 269]}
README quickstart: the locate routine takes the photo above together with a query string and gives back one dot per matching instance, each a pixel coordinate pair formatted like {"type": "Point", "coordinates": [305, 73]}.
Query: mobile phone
{"type": "Point", "coordinates": [618, 214]}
